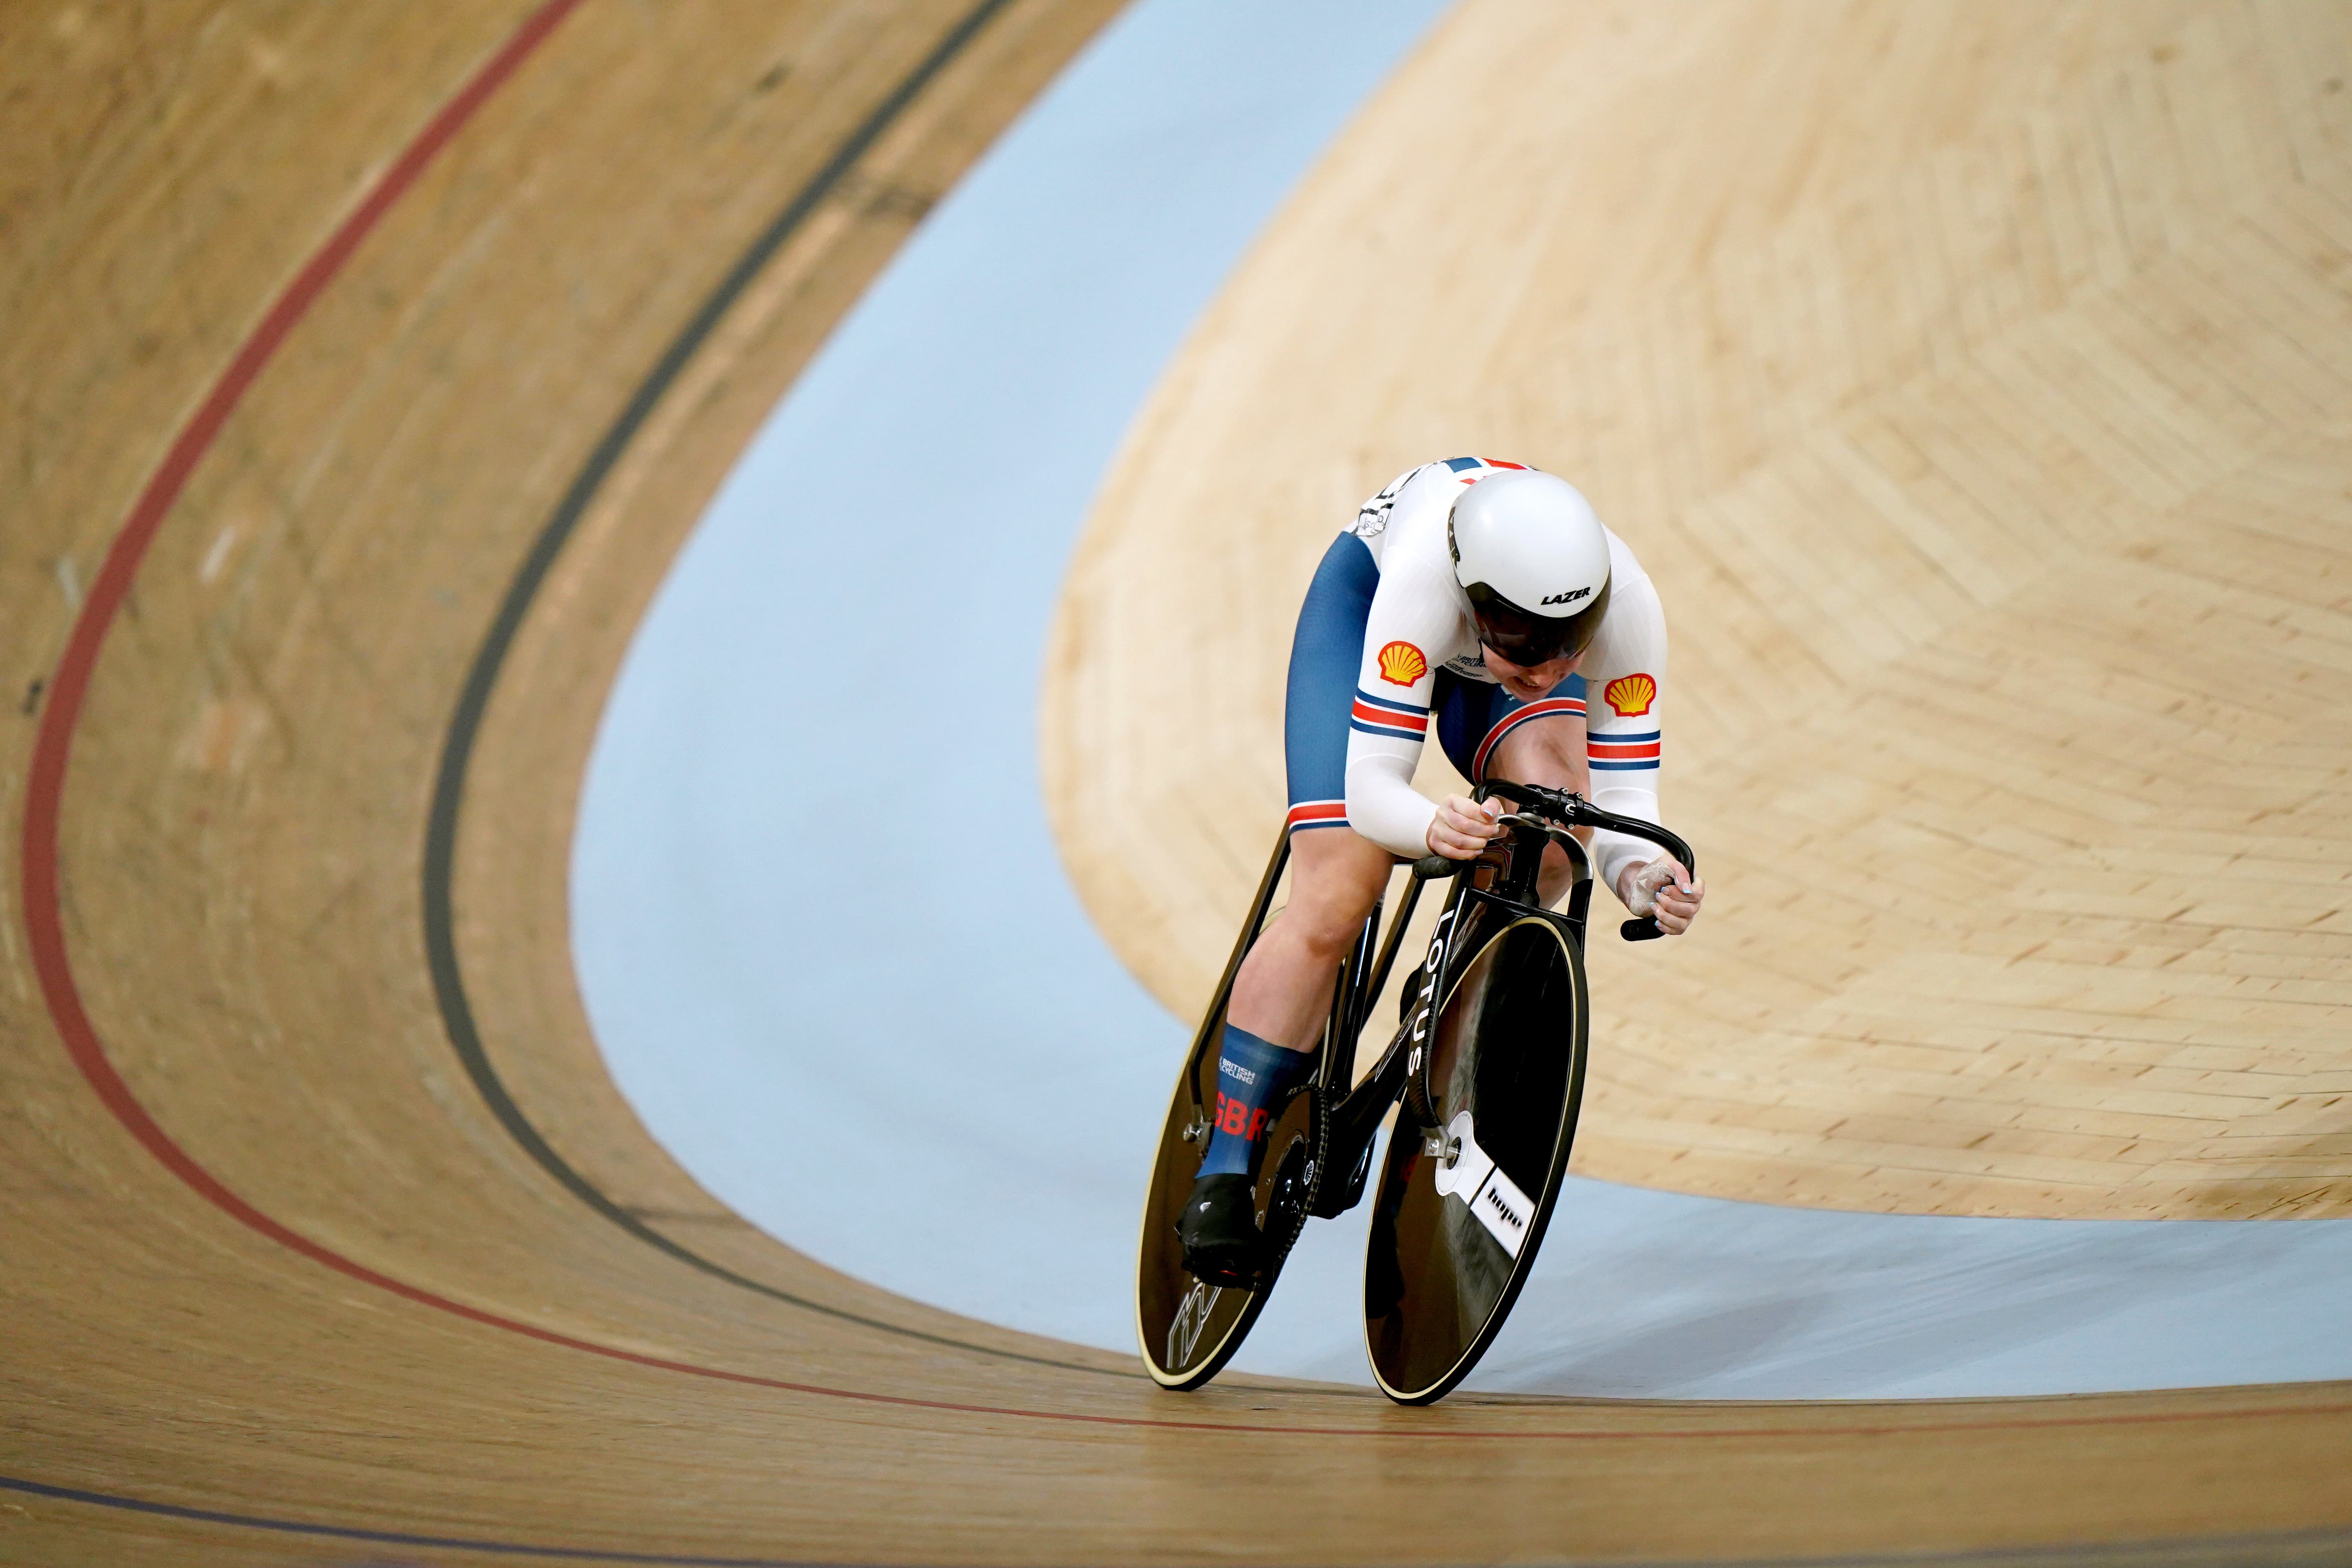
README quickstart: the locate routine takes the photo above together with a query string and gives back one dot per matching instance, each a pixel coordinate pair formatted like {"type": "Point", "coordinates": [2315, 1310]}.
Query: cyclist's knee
{"type": "Point", "coordinates": [1551, 753]}
{"type": "Point", "coordinates": [1325, 931]}
{"type": "Point", "coordinates": [1335, 881]}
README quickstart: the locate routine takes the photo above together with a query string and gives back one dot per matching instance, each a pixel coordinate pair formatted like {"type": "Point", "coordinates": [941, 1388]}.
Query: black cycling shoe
{"type": "Point", "coordinates": [1222, 1242]}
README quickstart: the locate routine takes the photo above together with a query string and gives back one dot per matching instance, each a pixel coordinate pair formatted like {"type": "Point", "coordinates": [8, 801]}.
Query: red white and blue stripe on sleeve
{"type": "Point", "coordinates": [1622, 753]}
{"type": "Point", "coordinates": [1386, 716]}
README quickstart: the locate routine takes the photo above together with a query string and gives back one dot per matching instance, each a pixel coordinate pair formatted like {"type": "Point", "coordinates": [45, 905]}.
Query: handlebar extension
{"type": "Point", "coordinates": [1570, 810]}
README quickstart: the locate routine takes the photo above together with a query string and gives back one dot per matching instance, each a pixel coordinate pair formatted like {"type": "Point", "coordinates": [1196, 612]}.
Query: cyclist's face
{"type": "Point", "coordinates": [1527, 681]}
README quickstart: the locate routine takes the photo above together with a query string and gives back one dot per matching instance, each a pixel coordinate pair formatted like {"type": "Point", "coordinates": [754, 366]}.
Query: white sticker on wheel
{"type": "Point", "coordinates": [1468, 1172]}
{"type": "Point", "coordinates": [1192, 1317]}
{"type": "Point", "coordinates": [1504, 1210]}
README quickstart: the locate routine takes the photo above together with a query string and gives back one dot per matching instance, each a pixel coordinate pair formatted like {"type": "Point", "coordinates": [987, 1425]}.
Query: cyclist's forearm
{"type": "Point", "coordinates": [1383, 806]}
{"type": "Point", "coordinates": [1613, 853]}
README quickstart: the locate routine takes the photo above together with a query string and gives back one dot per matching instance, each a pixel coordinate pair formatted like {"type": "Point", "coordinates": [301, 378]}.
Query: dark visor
{"type": "Point", "coordinates": [1530, 639]}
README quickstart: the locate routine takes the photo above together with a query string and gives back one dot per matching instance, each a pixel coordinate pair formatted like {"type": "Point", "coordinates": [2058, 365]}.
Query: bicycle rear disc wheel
{"type": "Point", "coordinates": [1187, 1328]}
{"type": "Point", "coordinates": [1464, 1201]}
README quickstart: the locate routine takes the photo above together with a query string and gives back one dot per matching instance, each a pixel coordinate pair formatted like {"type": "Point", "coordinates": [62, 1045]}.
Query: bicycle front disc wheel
{"type": "Point", "coordinates": [1464, 1200]}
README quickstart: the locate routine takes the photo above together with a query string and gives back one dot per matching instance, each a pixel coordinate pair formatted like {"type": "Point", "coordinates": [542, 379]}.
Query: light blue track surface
{"type": "Point", "coordinates": [825, 937]}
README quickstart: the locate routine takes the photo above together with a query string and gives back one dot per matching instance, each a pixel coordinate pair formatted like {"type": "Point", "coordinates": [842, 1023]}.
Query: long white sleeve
{"type": "Point", "coordinates": [1418, 621]}
{"type": "Point", "coordinates": [1384, 807]}
{"type": "Point", "coordinates": [1624, 680]}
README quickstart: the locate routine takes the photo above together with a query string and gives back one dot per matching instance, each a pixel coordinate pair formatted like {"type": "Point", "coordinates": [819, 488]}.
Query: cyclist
{"type": "Point", "coordinates": [1484, 598]}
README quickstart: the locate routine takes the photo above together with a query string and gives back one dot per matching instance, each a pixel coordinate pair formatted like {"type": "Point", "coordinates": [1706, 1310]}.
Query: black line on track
{"type": "Point", "coordinates": [473, 697]}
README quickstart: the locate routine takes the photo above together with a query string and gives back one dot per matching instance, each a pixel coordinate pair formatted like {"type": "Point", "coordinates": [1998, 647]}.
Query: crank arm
{"type": "Point", "coordinates": [1355, 1125]}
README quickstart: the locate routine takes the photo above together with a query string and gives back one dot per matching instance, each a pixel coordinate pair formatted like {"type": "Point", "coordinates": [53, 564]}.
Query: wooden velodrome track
{"type": "Point", "coordinates": [1973, 383]}
{"type": "Point", "coordinates": [364, 367]}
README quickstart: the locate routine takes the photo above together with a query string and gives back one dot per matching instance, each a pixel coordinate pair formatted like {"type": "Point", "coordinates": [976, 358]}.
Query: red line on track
{"type": "Point", "coordinates": [45, 923]}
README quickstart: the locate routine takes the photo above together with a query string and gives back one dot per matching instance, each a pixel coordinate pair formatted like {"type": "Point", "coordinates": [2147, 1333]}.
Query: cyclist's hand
{"type": "Point", "coordinates": [1461, 829]}
{"type": "Point", "coordinates": [1663, 890]}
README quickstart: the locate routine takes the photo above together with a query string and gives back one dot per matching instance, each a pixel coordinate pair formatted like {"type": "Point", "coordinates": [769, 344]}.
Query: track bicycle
{"type": "Point", "coordinates": [1487, 1071]}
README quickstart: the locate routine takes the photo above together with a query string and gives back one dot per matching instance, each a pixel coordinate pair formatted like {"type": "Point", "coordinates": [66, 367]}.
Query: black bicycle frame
{"type": "Point", "coordinates": [1504, 876]}
{"type": "Point", "coordinates": [1507, 877]}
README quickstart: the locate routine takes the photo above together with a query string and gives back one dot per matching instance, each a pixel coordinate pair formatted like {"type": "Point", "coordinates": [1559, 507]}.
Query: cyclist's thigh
{"type": "Point", "coordinates": [1336, 876]}
{"type": "Point", "coordinates": [1325, 655]}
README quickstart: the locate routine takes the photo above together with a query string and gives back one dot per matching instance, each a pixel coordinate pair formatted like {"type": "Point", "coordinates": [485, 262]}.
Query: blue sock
{"type": "Point", "coordinates": [1253, 1074]}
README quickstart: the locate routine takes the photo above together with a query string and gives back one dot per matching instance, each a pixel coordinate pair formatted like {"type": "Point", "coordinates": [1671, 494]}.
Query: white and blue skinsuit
{"type": "Point", "coordinates": [1386, 638]}
{"type": "Point", "coordinates": [1386, 642]}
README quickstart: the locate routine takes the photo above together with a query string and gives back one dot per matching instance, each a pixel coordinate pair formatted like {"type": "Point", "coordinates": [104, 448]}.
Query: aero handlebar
{"type": "Point", "coordinates": [1569, 809]}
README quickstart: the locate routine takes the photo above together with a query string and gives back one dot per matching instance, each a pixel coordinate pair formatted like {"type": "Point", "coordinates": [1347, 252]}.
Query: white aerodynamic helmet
{"type": "Point", "coordinates": [1535, 561]}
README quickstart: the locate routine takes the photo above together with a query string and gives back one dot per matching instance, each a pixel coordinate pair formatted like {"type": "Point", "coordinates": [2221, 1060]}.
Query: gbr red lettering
{"type": "Point", "coordinates": [1235, 1116]}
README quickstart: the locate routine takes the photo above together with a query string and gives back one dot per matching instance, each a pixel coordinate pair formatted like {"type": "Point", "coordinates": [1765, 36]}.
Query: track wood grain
{"type": "Point", "coordinates": [1976, 382]}
{"type": "Point", "coordinates": [315, 318]}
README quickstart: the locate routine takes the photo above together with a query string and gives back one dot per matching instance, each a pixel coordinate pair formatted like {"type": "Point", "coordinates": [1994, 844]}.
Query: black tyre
{"type": "Point", "coordinates": [1187, 1328]}
{"type": "Point", "coordinates": [1464, 1196]}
